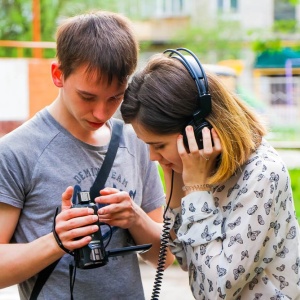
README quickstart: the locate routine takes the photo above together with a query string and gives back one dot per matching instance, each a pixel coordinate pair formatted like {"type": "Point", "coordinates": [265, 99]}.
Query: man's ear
{"type": "Point", "coordinates": [57, 75]}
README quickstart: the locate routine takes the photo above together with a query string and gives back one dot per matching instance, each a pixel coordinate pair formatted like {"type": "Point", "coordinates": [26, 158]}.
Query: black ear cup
{"type": "Point", "coordinates": [195, 69]}
{"type": "Point", "coordinates": [198, 133]}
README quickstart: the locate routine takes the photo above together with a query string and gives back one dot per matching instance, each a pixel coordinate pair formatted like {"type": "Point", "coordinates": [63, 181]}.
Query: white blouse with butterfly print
{"type": "Point", "coordinates": [242, 240]}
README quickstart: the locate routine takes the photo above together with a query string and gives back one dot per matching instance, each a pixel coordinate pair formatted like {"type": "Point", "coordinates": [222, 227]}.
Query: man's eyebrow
{"type": "Point", "coordinates": [91, 94]}
{"type": "Point", "coordinates": [118, 95]}
{"type": "Point", "coordinates": [85, 93]}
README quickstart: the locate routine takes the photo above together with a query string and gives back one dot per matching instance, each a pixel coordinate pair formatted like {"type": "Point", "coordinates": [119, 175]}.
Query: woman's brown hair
{"type": "Point", "coordinates": [162, 98]}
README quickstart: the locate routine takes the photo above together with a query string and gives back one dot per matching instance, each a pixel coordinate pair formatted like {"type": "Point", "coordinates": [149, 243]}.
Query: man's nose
{"type": "Point", "coordinates": [100, 110]}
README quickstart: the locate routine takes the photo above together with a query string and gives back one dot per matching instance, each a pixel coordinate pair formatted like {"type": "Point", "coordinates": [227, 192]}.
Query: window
{"type": "Point", "coordinates": [284, 10]}
{"type": "Point", "coordinates": [278, 93]}
{"type": "Point", "coordinates": [221, 5]}
{"type": "Point", "coordinates": [170, 7]}
{"type": "Point", "coordinates": [225, 6]}
{"type": "Point", "coordinates": [153, 8]}
{"type": "Point", "coordinates": [233, 5]}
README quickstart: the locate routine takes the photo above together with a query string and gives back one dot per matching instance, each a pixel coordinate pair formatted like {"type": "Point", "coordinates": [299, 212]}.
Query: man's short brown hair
{"type": "Point", "coordinates": [102, 40]}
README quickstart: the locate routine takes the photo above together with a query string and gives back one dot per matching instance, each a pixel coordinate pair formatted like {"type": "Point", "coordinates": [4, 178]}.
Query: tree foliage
{"type": "Point", "coordinates": [225, 37]}
{"type": "Point", "coordinates": [221, 40]}
{"type": "Point", "coordinates": [16, 18]}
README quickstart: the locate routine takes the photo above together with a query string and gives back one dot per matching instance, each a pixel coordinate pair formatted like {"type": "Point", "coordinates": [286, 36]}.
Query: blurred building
{"type": "Point", "coordinates": [273, 77]}
{"type": "Point", "coordinates": [159, 19]}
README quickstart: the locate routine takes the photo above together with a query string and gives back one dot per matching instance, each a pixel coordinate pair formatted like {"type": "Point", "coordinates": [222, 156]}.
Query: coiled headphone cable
{"type": "Point", "coordinates": [163, 249]}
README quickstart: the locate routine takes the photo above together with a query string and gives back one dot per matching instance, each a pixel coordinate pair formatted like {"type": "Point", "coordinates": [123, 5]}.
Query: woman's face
{"type": "Point", "coordinates": [163, 148]}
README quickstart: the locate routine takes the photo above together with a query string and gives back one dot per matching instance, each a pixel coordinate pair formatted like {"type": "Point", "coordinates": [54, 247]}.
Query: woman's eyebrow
{"type": "Point", "coordinates": [154, 143]}
{"type": "Point", "coordinates": [150, 143]}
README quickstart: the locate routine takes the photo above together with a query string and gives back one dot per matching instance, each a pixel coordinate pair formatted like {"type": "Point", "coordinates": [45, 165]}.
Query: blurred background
{"type": "Point", "coordinates": [254, 46]}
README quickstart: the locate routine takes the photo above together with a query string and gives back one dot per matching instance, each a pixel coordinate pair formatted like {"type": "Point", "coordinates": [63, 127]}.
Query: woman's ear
{"type": "Point", "coordinates": [57, 75]}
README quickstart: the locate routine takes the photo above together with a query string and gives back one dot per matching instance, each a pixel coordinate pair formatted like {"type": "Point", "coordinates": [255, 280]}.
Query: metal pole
{"type": "Point", "coordinates": [36, 27]}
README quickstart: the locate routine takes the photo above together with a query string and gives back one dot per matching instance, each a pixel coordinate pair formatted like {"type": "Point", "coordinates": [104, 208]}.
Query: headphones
{"type": "Point", "coordinates": [195, 69]}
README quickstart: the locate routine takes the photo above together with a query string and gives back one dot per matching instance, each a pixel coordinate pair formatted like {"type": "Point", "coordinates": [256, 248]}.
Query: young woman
{"type": "Point", "coordinates": [233, 224]}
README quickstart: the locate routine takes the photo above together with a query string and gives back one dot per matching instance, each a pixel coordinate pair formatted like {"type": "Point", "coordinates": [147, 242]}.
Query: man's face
{"type": "Point", "coordinates": [89, 101]}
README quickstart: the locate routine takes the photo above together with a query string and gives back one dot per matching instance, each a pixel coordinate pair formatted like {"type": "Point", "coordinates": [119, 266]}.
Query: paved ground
{"type": "Point", "coordinates": [175, 281]}
{"type": "Point", "coordinates": [174, 285]}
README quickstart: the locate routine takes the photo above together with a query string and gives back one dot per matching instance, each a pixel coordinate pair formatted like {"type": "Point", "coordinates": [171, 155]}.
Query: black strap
{"type": "Point", "coordinates": [108, 161]}
{"type": "Point", "coordinates": [58, 241]}
{"type": "Point", "coordinates": [41, 280]}
{"type": "Point", "coordinates": [94, 192]}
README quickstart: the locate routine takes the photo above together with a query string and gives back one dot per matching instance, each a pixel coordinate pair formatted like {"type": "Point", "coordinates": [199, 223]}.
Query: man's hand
{"type": "Point", "coordinates": [74, 226]}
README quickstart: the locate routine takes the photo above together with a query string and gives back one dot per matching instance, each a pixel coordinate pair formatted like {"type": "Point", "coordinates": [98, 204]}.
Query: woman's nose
{"type": "Point", "coordinates": [153, 154]}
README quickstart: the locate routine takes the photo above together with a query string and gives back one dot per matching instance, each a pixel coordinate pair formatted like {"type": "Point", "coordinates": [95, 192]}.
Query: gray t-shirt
{"type": "Point", "coordinates": [38, 161]}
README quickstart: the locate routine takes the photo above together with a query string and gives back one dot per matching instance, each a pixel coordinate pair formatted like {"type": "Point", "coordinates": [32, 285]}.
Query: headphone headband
{"type": "Point", "coordinates": [195, 69]}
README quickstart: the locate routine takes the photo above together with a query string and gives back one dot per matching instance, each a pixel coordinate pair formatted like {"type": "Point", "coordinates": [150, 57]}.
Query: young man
{"type": "Point", "coordinates": [64, 145]}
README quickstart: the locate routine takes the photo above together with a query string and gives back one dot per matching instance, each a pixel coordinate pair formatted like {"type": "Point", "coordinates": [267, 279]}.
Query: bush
{"type": "Point", "coordinates": [295, 181]}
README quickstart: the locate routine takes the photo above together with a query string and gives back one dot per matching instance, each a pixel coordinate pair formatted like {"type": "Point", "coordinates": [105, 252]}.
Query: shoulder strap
{"type": "Point", "coordinates": [94, 192]}
{"type": "Point", "coordinates": [109, 159]}
{"type": "Point", "coordinates": [41, 280]}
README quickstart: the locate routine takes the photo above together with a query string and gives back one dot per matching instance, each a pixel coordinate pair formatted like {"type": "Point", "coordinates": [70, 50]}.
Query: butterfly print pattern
{"type": "Point", "coordinates": [241, 241]}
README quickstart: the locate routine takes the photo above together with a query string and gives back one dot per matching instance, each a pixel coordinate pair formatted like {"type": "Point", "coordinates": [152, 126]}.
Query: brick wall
{"type": "Point", "coordinates": [42, 91]}
{"type": "Point", "coordinates": [26, 93]}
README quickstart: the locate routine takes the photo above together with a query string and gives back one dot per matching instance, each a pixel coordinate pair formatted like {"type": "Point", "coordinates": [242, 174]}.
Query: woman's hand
{"type": "Point", "coordinates": [198, 165]}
